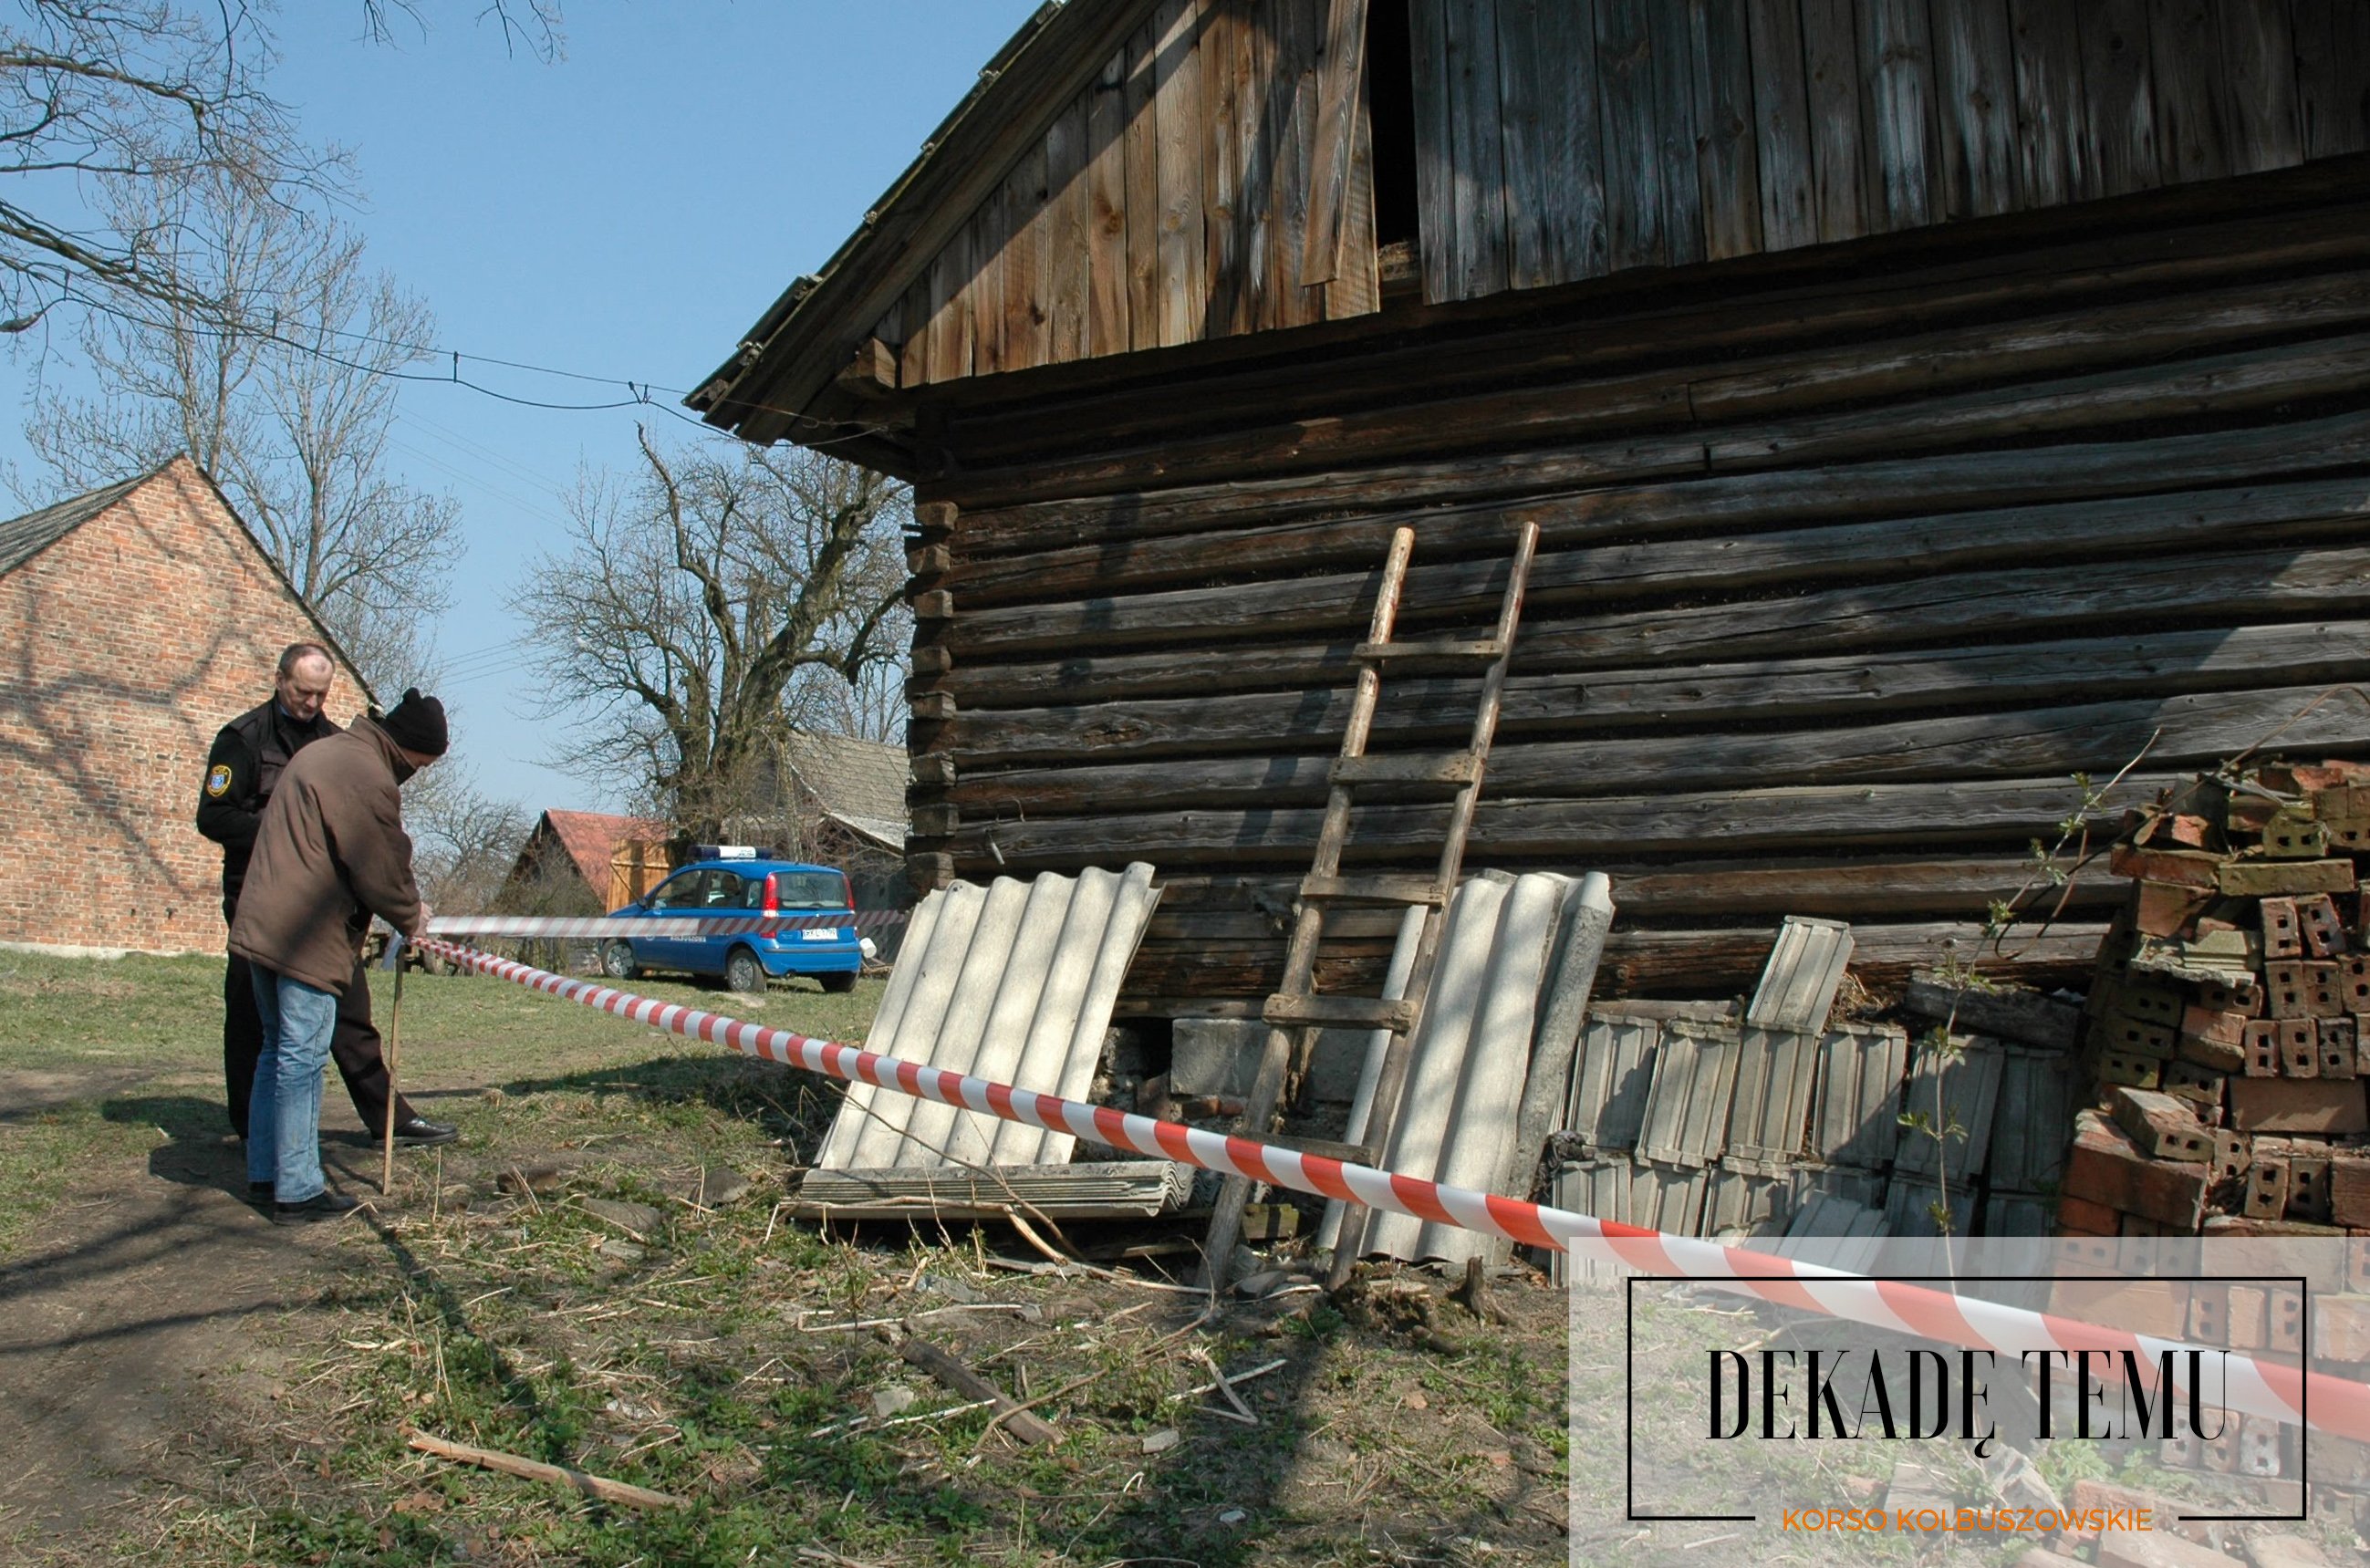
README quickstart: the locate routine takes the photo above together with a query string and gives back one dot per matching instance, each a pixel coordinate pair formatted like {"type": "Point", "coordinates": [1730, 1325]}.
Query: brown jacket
{"type": "Point", "coordinates": [331, 853]}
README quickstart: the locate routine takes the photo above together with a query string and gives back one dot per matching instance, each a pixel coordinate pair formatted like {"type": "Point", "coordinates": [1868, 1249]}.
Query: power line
{"type": "Point", "coordinates": [638, 392]}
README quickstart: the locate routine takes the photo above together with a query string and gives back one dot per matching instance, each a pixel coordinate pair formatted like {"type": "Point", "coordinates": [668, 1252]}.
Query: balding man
{"type": "Point", "coordinates": [241, 772]}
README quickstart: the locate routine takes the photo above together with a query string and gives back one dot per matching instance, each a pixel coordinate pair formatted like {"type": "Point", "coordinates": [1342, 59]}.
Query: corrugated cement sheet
{"type": "Point", "coordinates": [1610, 1080]}
{"type": "Point", "coordinates": [1797, 985]}
{"type": "Point", "coordinates": [1472, 1050]}
{"type": "Point", "coordinates": [1013, 982]}
{"type": "Point", "coordinates": [2031, 1123]}
{"type": "Point", "coordinates": [1686, 1121]}
{"type": "Point", "coordinates": [1770, 1116]}
{"type": "Point", "coordinates": [1858, 1122]}
{"type": "Point", "coordinates": [1954, 1093]}
{"type": "Point", "coordinates": [1137, 1187]}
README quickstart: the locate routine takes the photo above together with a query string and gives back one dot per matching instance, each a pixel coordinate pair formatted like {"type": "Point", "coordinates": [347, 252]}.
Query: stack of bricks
{"type": "Point", "coordinates": [2229, 1094]}
{"type": "Point", "coordinates": [2225, 1021]}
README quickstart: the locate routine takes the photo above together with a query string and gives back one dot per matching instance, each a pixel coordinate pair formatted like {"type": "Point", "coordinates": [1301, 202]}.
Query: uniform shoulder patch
{"type": "Point", "coordinates": [218, 779]}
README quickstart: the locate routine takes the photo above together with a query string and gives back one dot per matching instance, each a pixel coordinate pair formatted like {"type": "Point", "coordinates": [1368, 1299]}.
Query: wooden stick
{"type": "Point", "coordinates": [1243, 1413]}
{"type": "Point", "coordinates": [964, 1381]}
{"type": "Point", "coordinates": [394, 1044]}
{"type": "Point", "coordinates": [607, 1491]}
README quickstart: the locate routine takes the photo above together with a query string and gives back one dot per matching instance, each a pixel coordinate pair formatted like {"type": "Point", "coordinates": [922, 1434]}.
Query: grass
{"type": "Point", "coordinates": [732, 1355]}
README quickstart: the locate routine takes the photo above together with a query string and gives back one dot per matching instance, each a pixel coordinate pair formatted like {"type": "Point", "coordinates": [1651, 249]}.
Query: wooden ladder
{"type": "Point", "coordinates": [1295, 1011]}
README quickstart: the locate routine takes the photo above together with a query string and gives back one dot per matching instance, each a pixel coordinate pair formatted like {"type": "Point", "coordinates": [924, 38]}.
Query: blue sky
{"type": "Point", "coordinates": [627, 213]}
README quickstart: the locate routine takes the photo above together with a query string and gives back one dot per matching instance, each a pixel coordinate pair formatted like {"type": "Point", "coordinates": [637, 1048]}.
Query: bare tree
{"type": "Point", "coordinates": [464, 841]}
{"type": "Point", "coordinates": [706, 605]}
{"type": "Point", "coordinates": [288, 404]}
{"type": "Point", "coordinates": [156, 96]}
{"type": "Point", "coordinates": [532, 25]}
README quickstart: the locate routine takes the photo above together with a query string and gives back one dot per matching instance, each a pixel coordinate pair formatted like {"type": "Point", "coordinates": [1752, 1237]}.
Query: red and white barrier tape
{"type": "Point", "coordinates": [650, 925]}
{"type": "Point", "coordinates": [2255, 1388]}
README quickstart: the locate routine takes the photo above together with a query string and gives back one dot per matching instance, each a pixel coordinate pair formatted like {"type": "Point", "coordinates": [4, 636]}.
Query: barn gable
{"type": "Point", "coordinates": [1140, 177]}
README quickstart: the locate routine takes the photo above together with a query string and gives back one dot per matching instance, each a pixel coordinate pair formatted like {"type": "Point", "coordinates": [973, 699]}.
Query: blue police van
{"type": "Point", "coordinates": [728, 882]}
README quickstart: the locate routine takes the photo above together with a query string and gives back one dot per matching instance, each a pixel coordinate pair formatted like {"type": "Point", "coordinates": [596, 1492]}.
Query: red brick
{"type": "Point", "coordinates": [2183, 867]}
{"type": "Point", "coordinates": [2105, 1167]}
{"type": "Point", "coordinates": [2298, 1105]}
{"type": "Point", "coordinates": [2085, 1217]}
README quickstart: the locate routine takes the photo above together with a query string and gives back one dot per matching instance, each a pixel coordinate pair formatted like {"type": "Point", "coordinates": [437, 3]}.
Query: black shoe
{"type": "Point", "coordinates": [420, 1131]}
{"type": "Point", "coordinates": [320, 1206]}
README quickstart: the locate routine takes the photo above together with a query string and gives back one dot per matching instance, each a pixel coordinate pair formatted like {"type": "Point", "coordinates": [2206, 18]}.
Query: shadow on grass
{"type": "Point", "coordinates": [791, 1106]}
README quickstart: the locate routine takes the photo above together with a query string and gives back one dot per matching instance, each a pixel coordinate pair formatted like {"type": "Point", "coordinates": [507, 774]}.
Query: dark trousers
{"type": "Point", "coordinates": [353, 1046]}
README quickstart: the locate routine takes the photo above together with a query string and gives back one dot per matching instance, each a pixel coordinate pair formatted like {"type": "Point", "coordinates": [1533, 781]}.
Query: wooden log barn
{"type": "Point", "coordinates": [1921, 403]}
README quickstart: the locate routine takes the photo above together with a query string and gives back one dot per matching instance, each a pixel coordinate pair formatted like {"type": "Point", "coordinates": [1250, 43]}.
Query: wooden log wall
{"type": "Point", "coordinates": [1559, 140]}
{"type": "Point", "coordinates": [1840, 584]}
{"type": "Point", "coordinates": [1215, 180]}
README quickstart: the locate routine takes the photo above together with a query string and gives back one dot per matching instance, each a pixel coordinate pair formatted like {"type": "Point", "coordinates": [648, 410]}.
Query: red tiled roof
{"type": "Point", "coordinates": [591, 839]}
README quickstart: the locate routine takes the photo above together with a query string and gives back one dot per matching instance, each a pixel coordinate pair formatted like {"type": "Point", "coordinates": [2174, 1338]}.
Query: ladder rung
{"type": "Point", "coordinates": [1409, 767]}
{"type": "Point", "coordinates": [1455, 654]}
{"type": "Point", "coordinates": [1338, 1013]}
{"type": "Point", "coordinates": [1374, 890]}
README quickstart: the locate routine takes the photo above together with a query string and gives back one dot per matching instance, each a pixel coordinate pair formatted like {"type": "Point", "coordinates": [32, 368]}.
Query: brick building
{"type": "Point", "coordinates": [134, 620]}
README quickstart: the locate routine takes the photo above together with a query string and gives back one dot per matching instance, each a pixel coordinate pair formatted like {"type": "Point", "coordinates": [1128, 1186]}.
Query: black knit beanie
{"type": "Point", "coordinates": [417, 724]}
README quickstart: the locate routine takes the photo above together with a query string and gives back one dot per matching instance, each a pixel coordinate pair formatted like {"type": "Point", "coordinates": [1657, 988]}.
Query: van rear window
{"type": "Point", "coordinates": [805, 890]}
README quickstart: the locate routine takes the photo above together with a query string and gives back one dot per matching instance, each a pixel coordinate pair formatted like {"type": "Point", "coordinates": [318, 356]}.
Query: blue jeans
{"type": "Point", "coordinates": [283, 1113]}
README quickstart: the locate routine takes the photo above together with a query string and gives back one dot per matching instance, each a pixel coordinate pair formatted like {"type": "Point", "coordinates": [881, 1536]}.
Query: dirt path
{"type": "Point", "coordinates": [132, 1354]}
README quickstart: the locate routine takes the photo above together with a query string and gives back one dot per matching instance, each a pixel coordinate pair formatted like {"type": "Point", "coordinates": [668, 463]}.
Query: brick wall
{"type": "Point", "coordinates": [126, 645]}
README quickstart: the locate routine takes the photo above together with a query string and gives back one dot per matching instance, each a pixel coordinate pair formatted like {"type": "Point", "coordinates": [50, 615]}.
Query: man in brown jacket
{"type": "Point", "coordinates": [331, 853]}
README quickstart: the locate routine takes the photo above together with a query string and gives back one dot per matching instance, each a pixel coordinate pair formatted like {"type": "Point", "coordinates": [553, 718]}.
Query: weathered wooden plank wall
{"type": "Point", "coordinates": [1556, 141]}
{"type": "Point", "coordinates": [1832, 120]}
{"type": "Point", "coordinates": [1169, 203]}
{"type": "Point", "coordinates": [1839, 582]}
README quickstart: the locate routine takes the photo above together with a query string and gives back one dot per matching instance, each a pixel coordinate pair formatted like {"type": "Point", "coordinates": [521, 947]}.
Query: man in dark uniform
{"type": "Point", "coordinates": [248, 753]}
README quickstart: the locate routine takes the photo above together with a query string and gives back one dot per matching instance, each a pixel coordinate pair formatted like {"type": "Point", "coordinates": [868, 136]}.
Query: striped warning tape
{"type": "Point", "coordinates": [652, 925]}
{"type": "Point", "coordinates": [2254, 1388]}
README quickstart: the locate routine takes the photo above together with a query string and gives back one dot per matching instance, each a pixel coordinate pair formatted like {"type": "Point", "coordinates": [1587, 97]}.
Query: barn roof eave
{"type": "Point", "coordinates": [806, 336]}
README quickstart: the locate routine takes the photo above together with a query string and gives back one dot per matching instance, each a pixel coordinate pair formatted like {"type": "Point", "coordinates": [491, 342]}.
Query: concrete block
{"type": "Point", "coordinates": [1220, 1056]}
{"type": "Point", "coordinates": [1334, 1065]}
{"type": "Point", "coordinates": [1214, 1055]}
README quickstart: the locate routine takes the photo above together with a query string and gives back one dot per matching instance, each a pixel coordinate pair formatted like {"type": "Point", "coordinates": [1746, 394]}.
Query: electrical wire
{"type": "Point", "coordinates": [638, 392]}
